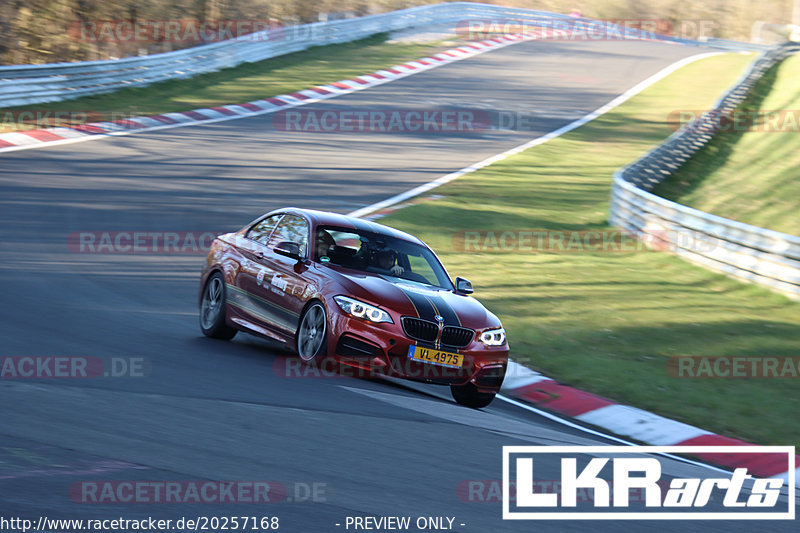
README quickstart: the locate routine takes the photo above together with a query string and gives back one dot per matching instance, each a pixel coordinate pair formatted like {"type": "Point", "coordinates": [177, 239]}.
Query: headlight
{"type": "Point", "coordinates": [494, 337]}
{"type": "Point", "coordinates": [361, 310]}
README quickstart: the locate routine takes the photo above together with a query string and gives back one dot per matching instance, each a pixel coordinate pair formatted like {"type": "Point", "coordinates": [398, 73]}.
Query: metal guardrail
{"type": "Point", "coordinates": [736, 46]}
{"type": "Point", "coordinates": [754, 254]}
{"type": "Point", "coordinates": [31, 84]}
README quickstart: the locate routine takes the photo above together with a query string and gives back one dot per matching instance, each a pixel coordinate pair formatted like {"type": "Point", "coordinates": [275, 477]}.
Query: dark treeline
{"type": "Point", "coordinates": [46, 31]}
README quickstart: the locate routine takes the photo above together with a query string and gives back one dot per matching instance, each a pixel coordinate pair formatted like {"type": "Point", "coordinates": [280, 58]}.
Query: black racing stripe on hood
{"type": "Point", "coordinates": [446, 310]}
{"type": "Point", "coordinates": [423, 306]}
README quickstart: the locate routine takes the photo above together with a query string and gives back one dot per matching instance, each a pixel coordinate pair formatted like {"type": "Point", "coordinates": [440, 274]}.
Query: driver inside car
{"type": "Point", "coordinates": [386, 259]}
{"type": "Point", "coordinates": [324, 243]}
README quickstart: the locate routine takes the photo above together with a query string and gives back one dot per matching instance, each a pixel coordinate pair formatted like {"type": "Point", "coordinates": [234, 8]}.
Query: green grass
{"type": "Point", "coordinates": [607, 322]}
{"type": "Point", "coordinates": [751, 176]}
{"type": "Point", "coordinates": [246, 82]}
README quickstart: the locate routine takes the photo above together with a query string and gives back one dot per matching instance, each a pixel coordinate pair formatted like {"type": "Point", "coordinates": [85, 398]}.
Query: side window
{"type": "Point", "coordinates": [261, 231]}
{"type": "Point", "coordinates": [341, 247]}
{"type": "Point", "coordinates": [294, 229]}
{"type": "Point", "coordinates": [346, 240]}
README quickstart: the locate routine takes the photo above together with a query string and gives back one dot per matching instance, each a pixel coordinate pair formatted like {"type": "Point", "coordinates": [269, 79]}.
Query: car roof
{"type": "Point", "coordinates": [326, 218]}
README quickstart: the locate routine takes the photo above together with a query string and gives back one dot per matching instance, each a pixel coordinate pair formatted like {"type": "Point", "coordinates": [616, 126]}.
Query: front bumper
{"type": "Point", "coordinates": [382, 349]}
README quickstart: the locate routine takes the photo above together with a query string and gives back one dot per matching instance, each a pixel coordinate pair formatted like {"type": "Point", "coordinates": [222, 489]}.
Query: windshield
{"type": "Point", "coordinates": [388, 256]}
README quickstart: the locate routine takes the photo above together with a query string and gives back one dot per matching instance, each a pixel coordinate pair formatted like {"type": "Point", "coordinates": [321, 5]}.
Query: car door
{"type": "Point", "coordinates": [285, 285]}
{"type": "Point", "coordinates": [253, 275]}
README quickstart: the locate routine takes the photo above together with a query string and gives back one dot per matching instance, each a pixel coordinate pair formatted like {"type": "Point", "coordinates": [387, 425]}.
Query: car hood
{"type": "Point", "coordinates": [412, 299]}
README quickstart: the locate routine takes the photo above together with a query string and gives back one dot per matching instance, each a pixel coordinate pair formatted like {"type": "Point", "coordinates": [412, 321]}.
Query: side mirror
{"type": "Point", "coordinates": [463, 286]}
{"type": "Point", "coordinates": [288, 249]}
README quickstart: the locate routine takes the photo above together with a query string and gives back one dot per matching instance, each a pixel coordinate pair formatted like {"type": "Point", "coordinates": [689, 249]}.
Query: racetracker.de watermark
{"type": "Point", "coordinates": [197, 491]}
{"type": "Point", "coordinates": [28, 119]}
{"type": "Point", "coordinates": [86, 121]}
{"type": "Point", "coordinates": [576, 241]}
{"type": "Point", "coordinates": [732, 367]}
{"type": "Point", "coordinates": [491, 490]}
{"type": "Point", "coordinates": [140, 242]}
{"type": "Point", "coordinates": [72, 367]}
{"type": "Point", "coordinates": [183, 31]}
{"type": "Point", "coordinates": [586, 29]}
{"type": "Point", "coordinates": [398, 120]}
{"type": "Point", "coordinates": [294, 368]}
{"type": "Point", "coordinates": [738, 120]}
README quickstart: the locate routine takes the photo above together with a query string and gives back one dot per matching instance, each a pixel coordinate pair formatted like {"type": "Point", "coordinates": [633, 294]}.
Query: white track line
{"type": "Point", "coordinates": [633, 91]}
{"type": "Point", "coordinates": [565, 422]}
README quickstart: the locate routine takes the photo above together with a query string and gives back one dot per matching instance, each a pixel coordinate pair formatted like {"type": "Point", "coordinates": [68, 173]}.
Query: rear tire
{"type": "Point", "coordinates": [468, 396]}
{"type": "Point", "coordinates": [212, 309]}
{"type": "Point", "coordinates": [312, 334]}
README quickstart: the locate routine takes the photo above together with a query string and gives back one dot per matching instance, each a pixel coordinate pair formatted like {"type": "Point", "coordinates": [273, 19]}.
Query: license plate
{"type": "Point", "coordinates": [436, 357]}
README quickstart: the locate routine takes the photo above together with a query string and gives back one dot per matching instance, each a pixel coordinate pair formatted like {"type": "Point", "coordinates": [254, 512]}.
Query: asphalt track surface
{"type": "Point", "coordinates": [214, 410]}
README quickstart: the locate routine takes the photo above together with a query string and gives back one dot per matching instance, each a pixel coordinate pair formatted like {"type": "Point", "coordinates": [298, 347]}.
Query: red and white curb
{"type": "Point", "coordinates": [23, 140]}
{"type": "Point", "coordinates": [27, 139]}
{"type": "Point", "coordinates": [524, 384]}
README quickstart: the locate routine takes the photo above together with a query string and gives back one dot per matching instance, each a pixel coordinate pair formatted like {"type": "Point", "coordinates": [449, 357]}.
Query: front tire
{"type": "Point", "coordinates": [468, 396]}
{"type": "Point", "coordinates": [212, 309]}
{"type": "Point", "coordinates": [312, 335]}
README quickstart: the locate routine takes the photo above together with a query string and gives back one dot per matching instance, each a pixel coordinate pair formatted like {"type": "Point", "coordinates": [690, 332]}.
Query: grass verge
{"type": "Point", "coordinates": [244, 83]}
{"type": "Point", "coordinates": [607, 321]}
{"type": "Point", "coordinates": [749, 171]}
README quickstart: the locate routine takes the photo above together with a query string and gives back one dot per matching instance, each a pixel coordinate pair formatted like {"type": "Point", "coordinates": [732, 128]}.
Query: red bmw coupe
{"type": "Point", "coordinates": [360, 293]}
